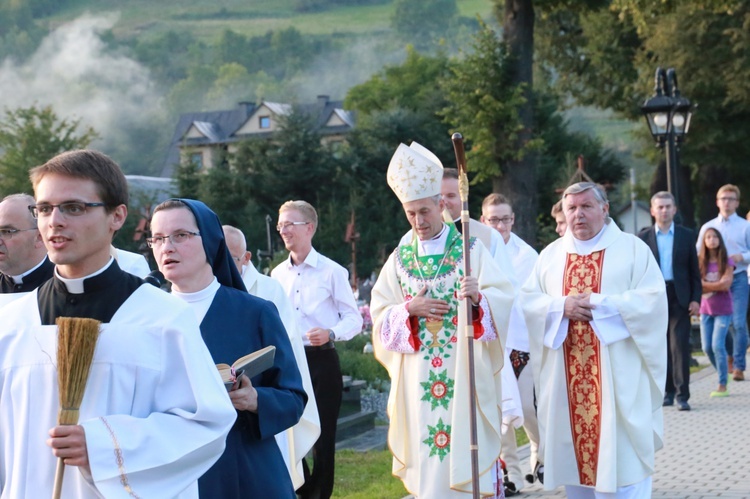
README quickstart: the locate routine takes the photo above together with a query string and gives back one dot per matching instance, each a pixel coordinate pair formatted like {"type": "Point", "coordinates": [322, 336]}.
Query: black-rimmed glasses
{"type": "Point", "coordinates": [7, 234]}
{"type": "Point", "coordinates": [69, 208]}
{"type": "Point", "coordinates": [286, 225]}
{"type": "Point", "coordinates": [176, 238]}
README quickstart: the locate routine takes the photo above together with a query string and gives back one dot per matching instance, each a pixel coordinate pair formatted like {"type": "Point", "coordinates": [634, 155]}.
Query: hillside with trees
{"type": "Point", "coordinates": [509, 74]}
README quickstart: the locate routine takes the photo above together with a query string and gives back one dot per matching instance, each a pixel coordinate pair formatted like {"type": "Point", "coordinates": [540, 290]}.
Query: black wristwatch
{"type": "Point", "coordinates": [331, 335]}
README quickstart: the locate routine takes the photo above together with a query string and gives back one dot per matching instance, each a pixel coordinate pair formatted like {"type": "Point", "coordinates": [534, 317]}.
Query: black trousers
{"type": "Point", "coordinates": [325, 373]}
{"type": "Point", "coordinates": [678, 349]}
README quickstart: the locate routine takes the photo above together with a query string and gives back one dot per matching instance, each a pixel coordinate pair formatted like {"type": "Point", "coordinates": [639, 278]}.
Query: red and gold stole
{"type": "Point", "coordinates": [583, 367]}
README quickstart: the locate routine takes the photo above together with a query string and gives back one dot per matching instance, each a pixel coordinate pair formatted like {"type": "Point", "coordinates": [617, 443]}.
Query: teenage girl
{"type": "Point", "coordinates": [716, 303]}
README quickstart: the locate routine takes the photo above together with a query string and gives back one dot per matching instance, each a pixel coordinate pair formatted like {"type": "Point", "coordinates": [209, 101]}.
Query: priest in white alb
{"type": "Point", "coordinates": [596, 310]}
{"type": "Point", "coordinates": [417, 303]}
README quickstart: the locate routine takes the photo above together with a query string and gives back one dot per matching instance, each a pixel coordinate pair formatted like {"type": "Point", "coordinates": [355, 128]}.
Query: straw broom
{"type": "Point", "coordinates": [76, 341]}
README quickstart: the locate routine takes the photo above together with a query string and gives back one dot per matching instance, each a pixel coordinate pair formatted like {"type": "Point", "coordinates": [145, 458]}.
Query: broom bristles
{"type": "Point", "coordinates": [76, 341]}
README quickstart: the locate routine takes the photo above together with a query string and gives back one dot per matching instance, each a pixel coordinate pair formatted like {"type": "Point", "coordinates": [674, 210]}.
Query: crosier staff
{"type": "Point", "coordinates": [463, 189]}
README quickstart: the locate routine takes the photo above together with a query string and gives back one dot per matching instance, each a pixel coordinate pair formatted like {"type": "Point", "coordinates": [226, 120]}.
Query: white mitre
{"type": "Point", "coordinates": [416, 146]}
{"type": "Point", "coordinates": [412, 175]}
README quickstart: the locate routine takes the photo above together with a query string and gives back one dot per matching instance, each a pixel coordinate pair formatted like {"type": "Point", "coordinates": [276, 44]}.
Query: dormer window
{"type": "Point", "coordinates": [264, 122]}
{"type": "Point", "coordinates": [196, 158]}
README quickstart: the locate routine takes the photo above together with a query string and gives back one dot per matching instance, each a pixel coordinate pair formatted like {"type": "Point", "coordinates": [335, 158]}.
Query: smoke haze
{"type": "Point", "coordinates": [74, 71]}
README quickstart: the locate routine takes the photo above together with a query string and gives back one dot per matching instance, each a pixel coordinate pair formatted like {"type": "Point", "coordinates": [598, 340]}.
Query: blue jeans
{"type": "Point", "coordinates": [739, 290]}
{"type": "Point", "coordinates": [713, 340]}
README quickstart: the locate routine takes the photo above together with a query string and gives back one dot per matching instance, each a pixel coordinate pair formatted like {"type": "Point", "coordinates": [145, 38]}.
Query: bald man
{"type": "Point", "coordinates": [23, 258]}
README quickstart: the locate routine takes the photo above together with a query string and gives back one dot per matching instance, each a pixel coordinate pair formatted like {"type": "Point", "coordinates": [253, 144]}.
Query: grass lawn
{"type": "Point", "coordinates": [367, 475]}
{"type": "Point", "coordinates": [206, 20]}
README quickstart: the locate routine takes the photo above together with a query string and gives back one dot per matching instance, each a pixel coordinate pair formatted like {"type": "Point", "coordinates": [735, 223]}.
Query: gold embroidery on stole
{"type": "Point", "coordinates": [583, 367]}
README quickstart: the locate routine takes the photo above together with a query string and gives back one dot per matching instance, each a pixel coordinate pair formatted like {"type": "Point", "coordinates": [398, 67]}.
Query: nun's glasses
{"type": "Point", "coordinates": [176, 238]}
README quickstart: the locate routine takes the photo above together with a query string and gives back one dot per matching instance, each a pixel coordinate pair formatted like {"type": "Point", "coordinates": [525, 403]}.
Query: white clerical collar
{"type": "Point", "coordinates": [75, 286]}
{"type": "Point", "coordinates": [206, 293]}
{"type": "Point", "coordinates": [587, 247]}
{"type": "Point", "coordinates": [18, 279]}
{"type": "Point", "coordinates": [435, 245]}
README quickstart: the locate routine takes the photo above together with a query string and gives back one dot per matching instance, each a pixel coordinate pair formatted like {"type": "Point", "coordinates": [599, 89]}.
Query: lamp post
{"type": "Point", "coordinates": [668, 116]}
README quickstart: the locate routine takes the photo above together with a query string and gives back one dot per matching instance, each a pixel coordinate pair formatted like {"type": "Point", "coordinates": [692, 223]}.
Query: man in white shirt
{"type": "Point", "coordinates": [326, 311]}
{"type": "Point", "coordinates": [736, 233]}
{"type": "Point", "coordinates": [297, 441]}
{"type": "Point", "coordinates": [498, 214]}
{"type": "Point", "coordinates": [596, 310]}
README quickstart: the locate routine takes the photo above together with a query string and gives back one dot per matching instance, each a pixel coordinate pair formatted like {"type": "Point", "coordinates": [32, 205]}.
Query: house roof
{"type": "Point", "coordinates": [626, 206]}
{"type": "Point", "coordinates": [150, 189]}
{"type": "Point", "coordinates": [219, 127]}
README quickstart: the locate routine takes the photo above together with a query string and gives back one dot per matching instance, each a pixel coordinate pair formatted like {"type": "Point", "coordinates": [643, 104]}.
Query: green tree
{"type": "Point", "coordinates": [31, 136]}
{"type": "Point", "coordinates": [485, 106]}
{"type": "Point", "coordinates": [608, 55]}
{"type": "Point", "coordinates": [423, 22]}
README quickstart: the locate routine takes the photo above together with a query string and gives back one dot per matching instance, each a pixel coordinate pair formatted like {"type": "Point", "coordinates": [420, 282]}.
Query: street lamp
{"type": "Point", "coordinates": [668, 116]}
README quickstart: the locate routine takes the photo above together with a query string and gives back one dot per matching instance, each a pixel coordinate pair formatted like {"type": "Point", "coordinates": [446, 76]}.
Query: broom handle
{"type": "Point", "coordinates": [59, 472]}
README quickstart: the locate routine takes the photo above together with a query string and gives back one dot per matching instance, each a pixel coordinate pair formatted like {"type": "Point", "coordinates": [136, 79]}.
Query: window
{"type": "Point", "coordinates": [196, 158]}
{"type": "Point", "coordinates": [264, 122]}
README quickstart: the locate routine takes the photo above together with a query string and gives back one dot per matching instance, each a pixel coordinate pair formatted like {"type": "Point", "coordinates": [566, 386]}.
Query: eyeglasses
{"type": "Point", "coordinates": [176, 238]}
{"type": "Point", "coordinates": [727, 199]}
{"type": "Point", "coordinates": [504, 220]}
{"type": "Point", "coordinates": [69, 208]}
{"type": "Point", "coordinates": [237, 258]}
{"type": "Point", "coordinates": [7, 234]}
{"type": "Point", "coordinates": [286, 225]}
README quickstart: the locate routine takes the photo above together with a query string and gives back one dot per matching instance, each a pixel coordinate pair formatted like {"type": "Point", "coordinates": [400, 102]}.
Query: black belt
{"type": "Point", "coordinates": [326, 346]}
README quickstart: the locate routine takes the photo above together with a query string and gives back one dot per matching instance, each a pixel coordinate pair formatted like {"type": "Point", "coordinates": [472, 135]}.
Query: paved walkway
{"type": "Point", "coordinates": [706, 451]}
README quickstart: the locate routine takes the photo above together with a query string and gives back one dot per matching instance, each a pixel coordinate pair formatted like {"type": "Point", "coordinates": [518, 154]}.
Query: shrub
{"type": "Point", "coordinates": [360, 365]}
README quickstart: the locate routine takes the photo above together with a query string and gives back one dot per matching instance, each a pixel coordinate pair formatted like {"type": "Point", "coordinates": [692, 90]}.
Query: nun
{"type": "Point", "coordinates": [190, 250]}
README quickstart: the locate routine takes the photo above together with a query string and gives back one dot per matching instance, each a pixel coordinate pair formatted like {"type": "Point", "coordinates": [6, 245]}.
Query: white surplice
{"type": "Point", "coordinates": [133, 263]}
{"type": "Point", "coordinates": [155, 412]}
{"type": "Point", "coordinates": [297, 441]}
{"type": "Point", "coordinates": [629, 320]}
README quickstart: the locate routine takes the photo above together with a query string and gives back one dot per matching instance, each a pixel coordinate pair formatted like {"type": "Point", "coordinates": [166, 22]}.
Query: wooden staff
{"type": "Point", "coordinates": [463, 189]}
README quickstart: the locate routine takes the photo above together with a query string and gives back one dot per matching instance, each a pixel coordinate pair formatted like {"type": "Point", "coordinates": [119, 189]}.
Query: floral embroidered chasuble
{"type": "Point", "coordinates": [583, 367]}
{"type": "Point", "coordinates": [426, 360]}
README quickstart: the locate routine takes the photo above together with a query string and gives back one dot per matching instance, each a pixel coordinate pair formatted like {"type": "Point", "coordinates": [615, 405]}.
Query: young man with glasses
{"type": "Point", "coordinates": [24, 265]}
{"type": "Point", "coordinates": [497, 213]}
{"type": "Point", "coordinates": [326, 311]}
{"type": "Point", "coordinates": [155, 414]}
{"type": "Point", "coordinates": [736, 233]}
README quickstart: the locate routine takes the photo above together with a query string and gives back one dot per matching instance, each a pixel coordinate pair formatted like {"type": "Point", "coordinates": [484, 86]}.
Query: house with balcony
{"type": "Point", "coordinates": [203, 137]}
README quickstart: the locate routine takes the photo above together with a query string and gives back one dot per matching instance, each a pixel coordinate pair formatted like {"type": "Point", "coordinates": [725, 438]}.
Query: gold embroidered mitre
{"type": "Point", "coordinates": [412, 175]}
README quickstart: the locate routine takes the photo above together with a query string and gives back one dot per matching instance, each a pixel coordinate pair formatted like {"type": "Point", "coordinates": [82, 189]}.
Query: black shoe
{"type": "Point", "coordinates": [683, 406]}
{"type": "Point", "coordinates": [529, 478]}
{"type": "Point", "coordinates": [539, 472]}
{"type": "Point", "coordinates": [668, 400]}
{"type": "Point", "coordinates": [510, 489]}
